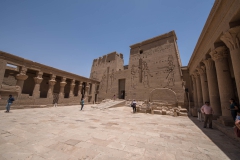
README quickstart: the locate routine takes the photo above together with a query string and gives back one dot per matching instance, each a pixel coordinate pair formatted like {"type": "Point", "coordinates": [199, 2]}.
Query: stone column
{"type": "Point", "coordinates": [51, 84]}
{"type": "Point", "coordinates": [213, 87]}
{"type": "Point", "coordinates": [72, 85]}
{"type": "Point", "coordinates": [21, 77]}
{"type": "Point", "coordinates": [62, 85]}
{"type": "Point", "coordinates": [38, 81]}
{"type": "Point", "coordinates": [93, 92]}
{"type": "Point", "coordinates": [80, 90]}
{"type": "Point", "coordinates": [194, 92]}
{"type": "Point", "coordinates": [220, 56]}
{"type": "Point", "coordinates": [199, 90]}
{"type": "Point", "coordinates": [203, 78]}
{"type": "Point", "coordinates": [87, 91]}
{"type": "Point", "coordinates": [3, 65]}
{"type": "Point", "coordinates": [232, 39]}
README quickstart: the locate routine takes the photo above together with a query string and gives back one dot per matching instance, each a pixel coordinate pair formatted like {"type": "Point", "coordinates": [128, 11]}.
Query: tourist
{"type": "Point", "coordinates": [134, 105]}
{"type": "Point", "coordinates": [233, 108]}
{"type": "Point", "coordinates": [114, 97]}
{"type": "Point", "coordinates": [82, 103]}
{"type": "Point", "coordinates": [9, 103]}
{"type": "Point", "coordinates": [238, 116]}
{"type": "Point", "coordinates": [208, 114]}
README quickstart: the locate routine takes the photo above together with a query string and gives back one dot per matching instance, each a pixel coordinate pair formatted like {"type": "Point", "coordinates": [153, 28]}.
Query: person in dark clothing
{"type": "Point", "coordinates": [82, 103]}
{"type": "Point", "coordinates": [9, 103]}
{"type": "Point", "coordinates": [134, 106]}
{"type": "Point", "coordinates": [233, 108]}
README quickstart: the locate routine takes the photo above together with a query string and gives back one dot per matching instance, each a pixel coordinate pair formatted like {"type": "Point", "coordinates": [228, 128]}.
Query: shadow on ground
{"type": "Point", "coordinates": [229, 146]}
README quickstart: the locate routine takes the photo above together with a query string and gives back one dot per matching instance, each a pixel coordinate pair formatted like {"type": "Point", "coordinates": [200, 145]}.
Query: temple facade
{"type": "Point", "coordinates": [34, 84]}
{"type": "Point", "coordinates": [154, 72]}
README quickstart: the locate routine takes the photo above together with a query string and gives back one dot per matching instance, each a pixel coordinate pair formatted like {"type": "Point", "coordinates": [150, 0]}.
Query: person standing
{"type": "Point", "coordinates": [134, 105]}
{"type": "Point", "coordinates": [114, 97]}
{"type": "Point", "coordinates": [9, 103]}
{"type": "Point", "coordinates": [82, 103]}
{"type": "Point", "coordinates": [208, 114]}
{"type": "Point", "coordinates": [233, 108]}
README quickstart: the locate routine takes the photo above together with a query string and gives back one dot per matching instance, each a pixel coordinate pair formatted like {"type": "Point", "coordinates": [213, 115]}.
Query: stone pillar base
{"type": "Point", "coordinates": [226, 121]}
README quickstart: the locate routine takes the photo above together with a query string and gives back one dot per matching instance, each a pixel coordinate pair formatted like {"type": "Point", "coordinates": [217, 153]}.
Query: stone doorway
{"type": "Point", "coordinates": [121, 88]}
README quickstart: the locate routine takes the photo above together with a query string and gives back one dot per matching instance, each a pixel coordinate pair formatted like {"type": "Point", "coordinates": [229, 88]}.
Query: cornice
{"type": "Point", "coordinates": [163, 36]}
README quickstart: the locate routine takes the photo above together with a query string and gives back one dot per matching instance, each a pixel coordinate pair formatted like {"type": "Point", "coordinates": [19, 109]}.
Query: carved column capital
{"type": "Point", "coordinates": [231, 38]}
{"type": "Point", "coordinates": [63, 82]}
{"type": "Point", "coordinates": [38, 79]}
{"type": "Point", "coordinates": [87, 85]}
{"type": "Point", "coordinates": [201, 70]}
{"type": "Point", "coordinates": [219, 53]}
{"type": "Point", "coordinates": [22, 75]}
{"type": "Point", "coordinates": [52, 82]}
{"type": "Point", "coordinates": [73, 83]}
{"type": "Point", "coordinates": [209, 63]}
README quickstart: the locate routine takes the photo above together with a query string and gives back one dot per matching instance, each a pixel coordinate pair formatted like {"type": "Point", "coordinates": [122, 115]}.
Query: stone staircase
{"type": "Point", "coordinates": [109, 104]}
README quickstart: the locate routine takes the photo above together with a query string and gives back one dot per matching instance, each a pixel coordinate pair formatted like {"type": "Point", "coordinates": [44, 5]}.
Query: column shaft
{"type": "Point", "coordinates": [38, 81]}
{"type": "Point", "coordinates": [203, 78]}
{"type": "Point", "coordinates": [62, 85]}
{"type": "Point", "coordinates": [194, 92]}
{"type": "Point", "coordinates": [213, 87]}
{"type": "Point", "coordinates": [21, 77]}
{"type": "Point", "coordinates": [225, 85]}
{"type": "Point", "coordinates": [199, 91]}
{"type": "Point", "coordinates": [231, 39]}
{"type": "Point", "coordinates": [51, 84]}
{"type": "Point", "coordinates": [72, 85]}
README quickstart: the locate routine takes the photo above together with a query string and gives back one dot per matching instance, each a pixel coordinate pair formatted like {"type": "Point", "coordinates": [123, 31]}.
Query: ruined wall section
{"type": "Point", "coordinates": [155, 63]}
{"type": "Point", "coordinates": [104, 70]}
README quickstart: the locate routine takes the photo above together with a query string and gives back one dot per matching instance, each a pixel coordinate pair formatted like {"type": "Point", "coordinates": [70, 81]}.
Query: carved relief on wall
{"type": "Point", "coordinates": [112, 78]}
{"type": "Point", "coordinates": [134, 72]}
{"type": "Point", "coordinates": [145, 74]}
{"type": "Point", "coordinates": [170, 76]}
{"type": "Point", "coordinates": [103, 81]}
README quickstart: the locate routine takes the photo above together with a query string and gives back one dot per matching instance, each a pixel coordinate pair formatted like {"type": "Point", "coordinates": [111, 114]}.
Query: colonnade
{"type": "Point", "coordinates": [83, 88]}
{"type": "Point", "coordinates": [213, 79]}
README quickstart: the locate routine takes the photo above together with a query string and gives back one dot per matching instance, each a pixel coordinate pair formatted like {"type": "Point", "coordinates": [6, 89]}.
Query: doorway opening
{"type": "Point", "coordinates": [121, 88]}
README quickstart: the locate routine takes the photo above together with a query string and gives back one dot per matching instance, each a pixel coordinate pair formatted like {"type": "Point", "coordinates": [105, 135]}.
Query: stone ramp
{"type": "Point", "coordinates": [109, 104]}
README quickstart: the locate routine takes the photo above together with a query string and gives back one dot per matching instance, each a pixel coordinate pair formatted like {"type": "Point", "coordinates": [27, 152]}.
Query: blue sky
{"type": "Point", "coordinates": [69, 34]}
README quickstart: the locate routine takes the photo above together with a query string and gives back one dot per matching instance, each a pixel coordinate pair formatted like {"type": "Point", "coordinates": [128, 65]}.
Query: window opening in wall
{"type": "Point", "coordinates": [141, 51]}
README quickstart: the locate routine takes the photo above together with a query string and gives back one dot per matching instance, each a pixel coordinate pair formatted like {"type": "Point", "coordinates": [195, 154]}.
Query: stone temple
{"type": "Point", "coordinates": [154, 72]}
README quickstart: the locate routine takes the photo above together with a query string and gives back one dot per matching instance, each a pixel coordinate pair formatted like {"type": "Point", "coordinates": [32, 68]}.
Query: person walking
{"type": "Point", "coordinates": [9, 103]}
{"type": "Point", "coordinates": [82, 103]}
{"type": "Point", "coordinates": [233, 108]}
{"type": "Point", "coordinates": [208, 114]}
{"type": "Point", "coordinates": [134, 105]}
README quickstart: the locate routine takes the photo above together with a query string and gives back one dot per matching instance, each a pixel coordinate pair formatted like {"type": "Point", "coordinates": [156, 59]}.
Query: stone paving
{"type": "Point", "coordinates": [67, 133]}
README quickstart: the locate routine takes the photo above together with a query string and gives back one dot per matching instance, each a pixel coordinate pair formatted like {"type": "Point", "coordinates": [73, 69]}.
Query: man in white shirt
{"type": "Point", "coordinates": [208, 114]}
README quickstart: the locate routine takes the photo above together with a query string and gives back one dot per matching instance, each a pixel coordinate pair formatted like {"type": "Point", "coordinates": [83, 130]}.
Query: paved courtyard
{"type": "Point", "coordinates": [67, 133]}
